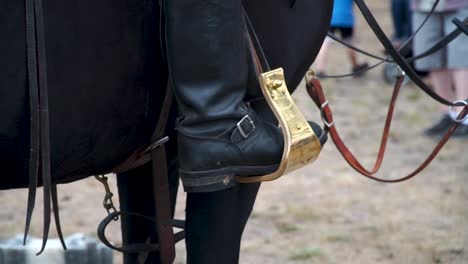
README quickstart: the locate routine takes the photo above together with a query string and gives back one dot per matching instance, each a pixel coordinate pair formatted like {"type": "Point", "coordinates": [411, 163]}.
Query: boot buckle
{"type": "Point", "coordinates": [246, 123]}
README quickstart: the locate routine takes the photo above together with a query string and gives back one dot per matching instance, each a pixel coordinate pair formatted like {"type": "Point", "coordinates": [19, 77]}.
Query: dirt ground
{"type": "Point", "coordinates": [326, 212]}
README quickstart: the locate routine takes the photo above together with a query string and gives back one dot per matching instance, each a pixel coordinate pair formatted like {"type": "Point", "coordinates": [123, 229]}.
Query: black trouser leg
{"type": "Point", "coordinates": [215, 222]}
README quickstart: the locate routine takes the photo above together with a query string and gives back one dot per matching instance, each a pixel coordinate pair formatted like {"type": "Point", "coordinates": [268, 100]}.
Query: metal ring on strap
{"type": "Point", "coordinates": [324, 119]}
{"type": "Point", "coordinates": [459, 103]}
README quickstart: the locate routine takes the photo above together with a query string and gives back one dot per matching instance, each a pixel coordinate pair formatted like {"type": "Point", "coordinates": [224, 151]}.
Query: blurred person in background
{"type": "Point", "coordinates": [448, 68]}
{"type": "Point", "coordinates": [342, 22]}
{"type": "Point", "coordinates": [401, 17]}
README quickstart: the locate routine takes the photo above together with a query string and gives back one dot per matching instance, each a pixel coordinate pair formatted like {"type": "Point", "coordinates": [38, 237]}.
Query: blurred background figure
{"type": "Point", "coordinates": [448, 68]}
{"type": "Point", "coordinates": [342, 22]}
{"type": "Point", "coordinates": [401, 17]}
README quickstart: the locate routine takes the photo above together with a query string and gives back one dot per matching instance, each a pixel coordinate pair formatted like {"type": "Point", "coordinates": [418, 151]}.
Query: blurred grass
{"type": "Point", "coordinates": [305, 254]}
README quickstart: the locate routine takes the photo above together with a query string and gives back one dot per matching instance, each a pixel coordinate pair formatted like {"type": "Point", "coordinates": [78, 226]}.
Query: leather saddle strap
{"type": "Point", "coordinates": [39, 108]}
{"type": "Point", "coordinates": [397, 57]}
{"type": "Point", "coordinates": [163, 214]}
{"type": "Point", "coordinates": [260, 62]}
{"type": "Point", "coordinates": [161, 186]}
{"type": "Point", "coordinates": [315, 91]}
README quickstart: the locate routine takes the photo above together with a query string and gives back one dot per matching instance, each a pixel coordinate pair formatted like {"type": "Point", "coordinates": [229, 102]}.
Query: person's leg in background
{"type": "Point", "coordinates": [357, 68]}
{"type": "Point", "coordinates": [436, 65]}
{"type": "Point", "coordinates": [407, 24]}
{"type": "Point", "coordinates": [461, 88]}
{"type": "Point", "coordinates": [401, 18]}
{"type": "Point", "coordinates": [320, 63]}
{"type": "Point", "coordinates": [442, 83]}
{"type": "Point", "coordinates": [397, 19]}
{"type": "Point", "coordinates": [458, 64]}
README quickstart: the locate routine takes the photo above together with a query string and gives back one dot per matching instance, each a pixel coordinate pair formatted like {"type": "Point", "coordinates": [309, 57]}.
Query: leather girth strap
{"type": "Point", "coordinates": [163, 214]}
{"type": "Point", "coordinates": [39, 125]}
{"type": "Point", "coordinates": [161, 194]}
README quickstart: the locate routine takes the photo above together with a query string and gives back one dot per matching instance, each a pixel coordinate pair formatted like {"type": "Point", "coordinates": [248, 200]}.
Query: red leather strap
{"type": "Point", "coordinates": [315, 91]}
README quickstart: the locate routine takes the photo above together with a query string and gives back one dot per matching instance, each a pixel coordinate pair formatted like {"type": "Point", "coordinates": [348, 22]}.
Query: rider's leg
{"type": "Point", "coordinates": [215, 222]}
{"type": "Point", "coordinates": [219, 135]}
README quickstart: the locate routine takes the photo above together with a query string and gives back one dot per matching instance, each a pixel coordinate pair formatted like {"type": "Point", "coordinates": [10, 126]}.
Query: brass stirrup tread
{"type": "Point", "coordinates": [301, 145]}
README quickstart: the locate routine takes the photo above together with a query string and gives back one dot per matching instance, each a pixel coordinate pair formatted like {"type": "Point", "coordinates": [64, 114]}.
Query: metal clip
{"type": "Point", "coordinates": [108, 204]}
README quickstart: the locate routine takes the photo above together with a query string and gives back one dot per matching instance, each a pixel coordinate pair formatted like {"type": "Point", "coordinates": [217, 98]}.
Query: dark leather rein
{"type": "Point", "coordinates": [315, 91]}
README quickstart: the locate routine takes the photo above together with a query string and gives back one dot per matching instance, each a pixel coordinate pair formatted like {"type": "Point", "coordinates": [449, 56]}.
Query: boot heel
{"type": "Point", "coordinates": [301, 145]}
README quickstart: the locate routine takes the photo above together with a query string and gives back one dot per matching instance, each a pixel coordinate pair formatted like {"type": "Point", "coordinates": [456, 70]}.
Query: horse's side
{"type": "Point", "coordinates": [107, 76]}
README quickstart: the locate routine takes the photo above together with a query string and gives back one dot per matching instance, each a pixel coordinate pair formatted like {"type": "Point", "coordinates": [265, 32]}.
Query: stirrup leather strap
{"type": "Point", "coordinates": [301, 145]}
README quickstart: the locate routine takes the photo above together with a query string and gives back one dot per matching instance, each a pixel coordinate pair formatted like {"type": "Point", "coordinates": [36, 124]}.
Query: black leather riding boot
{"type": "Point", "coordinates": [219, 135]}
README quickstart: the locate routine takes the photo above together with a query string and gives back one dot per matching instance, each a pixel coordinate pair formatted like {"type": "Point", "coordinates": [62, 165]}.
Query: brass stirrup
{"type": "Point", "coordinates": [301, 145]}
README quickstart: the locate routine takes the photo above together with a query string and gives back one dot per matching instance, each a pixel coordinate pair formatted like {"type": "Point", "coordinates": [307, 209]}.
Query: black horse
{"type": "Point", "coordinates": [107, 74]}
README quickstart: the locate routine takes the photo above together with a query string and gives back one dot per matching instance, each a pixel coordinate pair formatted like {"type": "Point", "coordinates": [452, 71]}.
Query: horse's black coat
{"type": "Point", "coordinates": [106, 75]}
{"type": "Point", "coordinates": [104, 69]}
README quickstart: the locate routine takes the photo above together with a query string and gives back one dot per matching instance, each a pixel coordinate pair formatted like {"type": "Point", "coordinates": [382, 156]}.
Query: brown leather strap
{"type": "Point", "coordinates": [249, 31]}
{"type": "Point", "coordinates": [161, 186]}
{"type": "Point", "coordinates": [163, 214]}
{"type": "Point", "coordinates": [315, 91]}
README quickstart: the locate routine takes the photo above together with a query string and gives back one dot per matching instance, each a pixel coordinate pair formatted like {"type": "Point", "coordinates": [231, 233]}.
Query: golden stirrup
{"type": "Point", "coordinates": [301, 145]}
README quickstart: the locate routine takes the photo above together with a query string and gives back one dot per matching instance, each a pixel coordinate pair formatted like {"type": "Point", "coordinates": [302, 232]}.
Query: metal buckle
{"type": "Point", "coordinates": [241, 130]}
{"type": "Point", "coordinates": [156, 144]}
{"type": "Point", "coordinates": [322, 113]}
{"type": "Point", "coordinates": [452, 111]}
